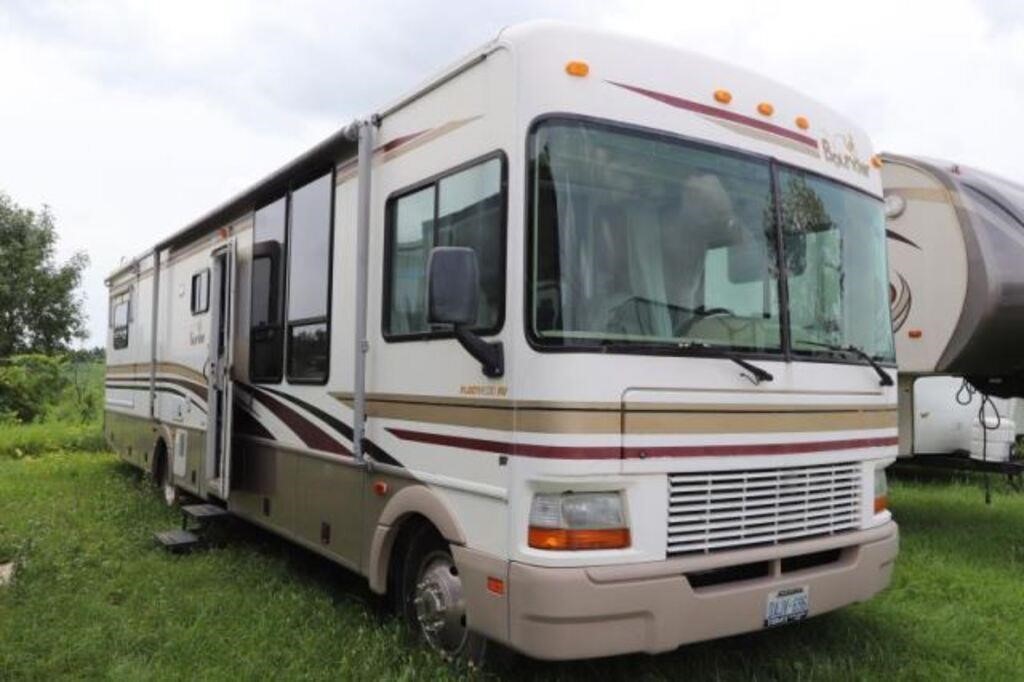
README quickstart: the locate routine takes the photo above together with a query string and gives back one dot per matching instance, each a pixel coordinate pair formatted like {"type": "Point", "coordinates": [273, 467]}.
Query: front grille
{"type": "Point", "coordinates": [714, 511]}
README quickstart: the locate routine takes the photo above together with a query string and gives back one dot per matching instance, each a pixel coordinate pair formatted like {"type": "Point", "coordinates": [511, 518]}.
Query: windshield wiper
{"type": "Point", "coordinates": [759, 374]}
{"type": "Point", "coordinates": [883, 377]}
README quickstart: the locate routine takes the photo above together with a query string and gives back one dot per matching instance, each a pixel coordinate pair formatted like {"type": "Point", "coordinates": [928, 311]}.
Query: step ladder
{"type": "Point", "coordinates": [194, 518]}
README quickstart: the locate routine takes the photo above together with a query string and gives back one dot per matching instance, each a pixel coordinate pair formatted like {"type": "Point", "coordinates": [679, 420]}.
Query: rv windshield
{"type": "Point", "coordinates": [836, 267]}
{"type": "Point", "coordinates": [644, 241]}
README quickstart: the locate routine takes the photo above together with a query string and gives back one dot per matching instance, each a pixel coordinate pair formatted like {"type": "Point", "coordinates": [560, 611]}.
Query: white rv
{"type": "Point", "coordinates": [583, 347]}
{"type": "Point", "coordinates": [956, 244]}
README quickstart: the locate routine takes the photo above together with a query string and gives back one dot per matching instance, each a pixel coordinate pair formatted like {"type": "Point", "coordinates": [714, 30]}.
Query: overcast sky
{"type": "Point", "coordinates": [129, 119]}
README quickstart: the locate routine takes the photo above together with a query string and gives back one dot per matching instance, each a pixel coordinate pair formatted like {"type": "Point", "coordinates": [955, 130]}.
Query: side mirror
{"type": "Point", "coordinates": [453, 286]}
{"type": "Point", "coordinates": [453, 298]}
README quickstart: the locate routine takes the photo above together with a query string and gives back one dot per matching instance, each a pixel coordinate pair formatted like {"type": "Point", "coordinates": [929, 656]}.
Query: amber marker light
{"type": "Point", "coordinates": [381, 488]}
{"type": "Point", "coordinates": [881, 490]}
{"type": "Point", "coordinates": [876, 161]}
{"type": "Point", "coordinates": [765, 109]}
{"type": "Point", "coordinates": [567, 539]}
{"type": "Point", "coordinates": [577, 68]}
{"type": "Point", "coordinates": [914, 333]}
{"type": "Point", "coordinates": [802, 123]}
{"type": "Point", "coordinates": [723, 96]}
{"type": "Point", "coordinates": [495, 585]}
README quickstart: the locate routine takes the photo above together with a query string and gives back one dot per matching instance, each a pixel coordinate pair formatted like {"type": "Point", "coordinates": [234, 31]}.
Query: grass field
{"type": "Point", "coordinates": [93, 598]}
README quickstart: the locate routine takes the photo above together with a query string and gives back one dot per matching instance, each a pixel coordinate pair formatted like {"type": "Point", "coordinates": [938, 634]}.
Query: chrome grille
{"type": "Point", "coordinates": [714, 511]}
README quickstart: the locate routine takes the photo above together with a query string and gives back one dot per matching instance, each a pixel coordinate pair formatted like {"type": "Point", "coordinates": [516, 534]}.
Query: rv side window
{"type": "Point", "coordinates": [120, 322]}
{"type": "Point", "coordinates": [201, 292]}
{"type": "Point", "coordinates": [309, 280]}
{"type": "Point", "coordinates": [464, 208]}
{"type": "Point", "coordinates": [266, 337]}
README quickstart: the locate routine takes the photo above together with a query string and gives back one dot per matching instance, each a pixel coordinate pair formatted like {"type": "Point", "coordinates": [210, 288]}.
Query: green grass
{"type": "Point", "coordinates": [94, 598]}
{"type": "Point", "coordinates": [36, 439]}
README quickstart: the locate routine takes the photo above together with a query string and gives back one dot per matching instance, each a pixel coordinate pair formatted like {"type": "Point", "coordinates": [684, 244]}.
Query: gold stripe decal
{"type": "Point", "coordinates": [635, 420]}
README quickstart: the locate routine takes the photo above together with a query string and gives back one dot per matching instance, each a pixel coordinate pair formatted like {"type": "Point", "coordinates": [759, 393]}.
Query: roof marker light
{"type": "Point", "coordinates": [765, 109]}
{"type": "Point", "coordinates": [802, 123]}
{"type": "Point", "coordinates": [723, 96]}
{"type": "Point", "coordinates": [578, 69]}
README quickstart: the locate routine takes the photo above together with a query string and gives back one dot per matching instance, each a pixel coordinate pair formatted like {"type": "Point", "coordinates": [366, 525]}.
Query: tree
{"type": "Point", "coordinates": [40, 310]}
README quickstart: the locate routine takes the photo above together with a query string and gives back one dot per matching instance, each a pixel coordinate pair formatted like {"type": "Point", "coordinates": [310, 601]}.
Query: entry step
{"type": "Point", "coordinates": [203, 511]}
{"type": "Point", "coordinates": [177, 540]}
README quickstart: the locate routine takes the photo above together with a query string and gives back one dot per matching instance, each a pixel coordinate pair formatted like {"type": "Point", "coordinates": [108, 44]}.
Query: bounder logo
{"type": "Point", "coordinates": [840, 150]}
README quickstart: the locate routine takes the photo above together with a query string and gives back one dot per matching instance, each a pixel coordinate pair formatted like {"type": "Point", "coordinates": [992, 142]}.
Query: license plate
{"type": "Point", "coordinates": [787, 606]}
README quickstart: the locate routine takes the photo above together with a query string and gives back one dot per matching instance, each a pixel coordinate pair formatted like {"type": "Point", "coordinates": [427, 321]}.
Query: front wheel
{"type": "Point", "coordinates": [433, 601]}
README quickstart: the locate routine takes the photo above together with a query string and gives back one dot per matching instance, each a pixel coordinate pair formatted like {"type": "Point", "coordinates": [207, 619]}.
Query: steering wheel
{"type": "Point", "coordinates": [702, 313]}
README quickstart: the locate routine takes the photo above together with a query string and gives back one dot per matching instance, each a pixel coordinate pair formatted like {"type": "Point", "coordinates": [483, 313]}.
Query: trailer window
{"type": "Point", "coordinates": [119, 319]}
{"type": "Point", "coordinates": [201, 292]}
{"type": "Point", "coordinates": [309, 280]}
{"type": "Point", "coordinates": [266, 337]}
{"type": "Point", "coordinates": [462, 208]}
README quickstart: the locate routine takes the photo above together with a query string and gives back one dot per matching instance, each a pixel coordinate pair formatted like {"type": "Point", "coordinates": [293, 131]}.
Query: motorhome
{"type": "Point", "coordinates": [583, 347]}
{"type": "Point", "coordinates": [956, 244]}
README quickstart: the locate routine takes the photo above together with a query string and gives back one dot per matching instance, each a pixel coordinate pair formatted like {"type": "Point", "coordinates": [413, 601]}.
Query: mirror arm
{"type": "Point", "coordinates": [490, 355]}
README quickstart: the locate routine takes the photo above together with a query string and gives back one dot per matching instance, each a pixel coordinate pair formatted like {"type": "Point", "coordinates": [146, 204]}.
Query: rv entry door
{"type": "Point", "coordinates": [218, 371]}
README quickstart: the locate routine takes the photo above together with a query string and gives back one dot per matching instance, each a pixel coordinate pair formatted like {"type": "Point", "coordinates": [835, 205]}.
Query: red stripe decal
{"type": "Point", "coordinates": [310, 434]}
{"type": "Point", "coordinates": [632, 452]}
{"type": "Point", "coordinates": [400, 140]}
{"type": "Point", "coordinates": [707, 110]}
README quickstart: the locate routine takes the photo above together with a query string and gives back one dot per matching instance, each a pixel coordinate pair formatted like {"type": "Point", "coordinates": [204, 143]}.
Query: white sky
{"type": "Point", "coordinates": [130, 119]}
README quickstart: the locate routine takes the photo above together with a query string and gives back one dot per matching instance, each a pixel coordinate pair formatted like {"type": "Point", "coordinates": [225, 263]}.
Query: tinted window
{"type": "Point", "coordinates": [308, 348]}
{"type": "Point", "coordinates": [119, 318]}
{"type": "Point", "coordinates": [266, 336]}
{"type": "Point", "coordinates": [413, 237]}
{"type": "Point", "coordinates": [465, 208]}
{"type": "Point", "coordinates": [309, 250]}
{"type": "Point", "coordinates": [200, 292]}
{"type": "Point", "coordinates": [309, 280]}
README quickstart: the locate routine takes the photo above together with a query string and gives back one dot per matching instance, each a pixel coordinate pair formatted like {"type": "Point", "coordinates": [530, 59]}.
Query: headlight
{"type": "Point", "coordinates": [881, 490]}
{"type": "Point", "coordinates": [574, 521]}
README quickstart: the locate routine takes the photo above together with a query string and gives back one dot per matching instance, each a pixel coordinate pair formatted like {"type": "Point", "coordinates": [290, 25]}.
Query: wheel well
{"type": "Point", "coordinates": [406, 530]}
{"type": "Point", "coordinates": [160, 462]}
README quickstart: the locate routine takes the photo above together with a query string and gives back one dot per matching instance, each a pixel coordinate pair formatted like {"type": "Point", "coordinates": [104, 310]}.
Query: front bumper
{"type": "Point", "coordinates": [567, 613]}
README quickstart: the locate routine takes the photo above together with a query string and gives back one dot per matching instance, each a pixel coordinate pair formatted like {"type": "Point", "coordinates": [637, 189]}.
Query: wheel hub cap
{"type": "Point", "coordinates": [440, 606]}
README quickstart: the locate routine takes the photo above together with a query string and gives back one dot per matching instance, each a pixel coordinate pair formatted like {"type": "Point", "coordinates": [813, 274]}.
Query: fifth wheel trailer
{"type": "Point", "coordinates": [956, 249]}
{"type": "Point", "coordinates": [583, 347]}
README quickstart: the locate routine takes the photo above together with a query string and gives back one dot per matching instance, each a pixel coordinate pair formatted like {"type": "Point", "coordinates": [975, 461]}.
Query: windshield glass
{"type": "Point", "coordinates": [642, 240]}
{"type": "Point", "coordinates": [835, 249]}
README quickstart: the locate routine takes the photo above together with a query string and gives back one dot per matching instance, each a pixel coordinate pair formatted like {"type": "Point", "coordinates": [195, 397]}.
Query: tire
{"type": "Point", "coordinates": [432, 600]}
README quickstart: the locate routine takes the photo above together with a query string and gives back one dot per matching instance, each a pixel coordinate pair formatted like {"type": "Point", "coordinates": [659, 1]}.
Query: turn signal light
{"type": "Point", "coordinates": [495, 585]}
{"type": "Point", "coordinates": [576, 539]}
{"type": "Point", "coordinates": [578, 69]}
{"type": "Point", "coordinates": [881, 503]}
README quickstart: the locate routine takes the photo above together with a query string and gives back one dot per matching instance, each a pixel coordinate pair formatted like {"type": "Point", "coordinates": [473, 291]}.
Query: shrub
{"type": "Point", "coordinates": [30, 385]}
